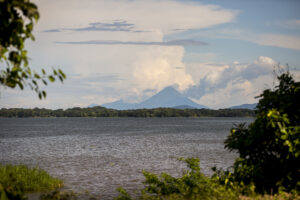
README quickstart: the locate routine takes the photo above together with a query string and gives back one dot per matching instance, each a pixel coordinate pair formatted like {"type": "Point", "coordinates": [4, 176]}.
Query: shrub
{"type": "Point", "coordinates": [17, 180]}
{"type": "Point", "coordinates": [192, 185]}
{"type": "Point", "coordinates": [269, 148]}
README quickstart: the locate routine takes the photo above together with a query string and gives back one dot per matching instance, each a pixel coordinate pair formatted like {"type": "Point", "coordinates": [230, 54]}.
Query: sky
{"type": "Point", "coordinates": [218, 53]}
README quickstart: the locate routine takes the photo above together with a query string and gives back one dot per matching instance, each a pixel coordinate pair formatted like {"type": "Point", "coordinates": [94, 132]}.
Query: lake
{"type": "Point", "coordinates": [101, 154]}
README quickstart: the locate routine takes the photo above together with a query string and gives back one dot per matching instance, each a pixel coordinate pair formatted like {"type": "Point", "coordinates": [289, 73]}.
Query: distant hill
{"type": "Point", "coordinates": [93, 105]}
{"type": "Point", "coordinates": [119, 105]}
{"type": "Point", "coordinates": [245, 106]}
{"type": "Point", "coordinates": [166, 98]}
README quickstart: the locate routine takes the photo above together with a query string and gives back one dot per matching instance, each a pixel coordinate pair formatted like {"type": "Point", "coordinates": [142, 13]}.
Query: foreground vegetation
{"type": "Point", "coordinates": [193, 185]}
{"type": "Point", "coordinates": [103, 112]}
{"type": "Point", "coordinates": [16, 180]}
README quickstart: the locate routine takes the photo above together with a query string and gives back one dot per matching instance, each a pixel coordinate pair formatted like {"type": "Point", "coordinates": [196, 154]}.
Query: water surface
{"type": "Point", "coordinates": [100, 154]}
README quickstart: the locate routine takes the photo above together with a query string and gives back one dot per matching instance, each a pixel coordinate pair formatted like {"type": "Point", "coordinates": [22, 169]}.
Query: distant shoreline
{"type": "Point", "coordinates": [139, 113]}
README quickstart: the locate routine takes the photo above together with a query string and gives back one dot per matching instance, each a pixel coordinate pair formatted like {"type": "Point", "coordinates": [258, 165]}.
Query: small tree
{"type": "Point", "coordinates": [17, 19]}
{"type": "Point", "coordinates": [269, 148]}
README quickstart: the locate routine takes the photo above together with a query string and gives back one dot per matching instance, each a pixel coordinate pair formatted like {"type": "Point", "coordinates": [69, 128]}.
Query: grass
{"type": "Point", "coordinates": [27, 179]}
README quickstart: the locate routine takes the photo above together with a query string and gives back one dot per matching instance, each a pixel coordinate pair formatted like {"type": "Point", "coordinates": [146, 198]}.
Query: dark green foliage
{"type": "Point", "coordinates": [11, 191]}
{"type": "Point", "coordinates": [270, 147]}
{"type": "Point", "coordinates": [192, 185]}
{"type": "Point", "coordinates": [17, 18]}
{"type": "Point", "coordinates": [103, 112]}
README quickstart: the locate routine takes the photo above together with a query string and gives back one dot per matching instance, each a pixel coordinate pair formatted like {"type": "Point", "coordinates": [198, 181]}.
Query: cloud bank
{"type": "Point", "coordinates": [222, 86]}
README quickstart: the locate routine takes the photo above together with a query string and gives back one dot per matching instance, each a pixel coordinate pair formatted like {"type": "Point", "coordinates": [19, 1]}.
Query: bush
{"type": "Point", "coordinates": [269, 148]}
{"type": "Point", "coordinates": [192, 185]}
{"type": "Point", "coordinates": [17, 180]}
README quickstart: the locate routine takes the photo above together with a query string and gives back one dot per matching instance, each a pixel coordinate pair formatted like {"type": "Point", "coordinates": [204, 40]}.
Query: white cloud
{"type": "Point", "coordinates": [266, 39]}
{"type": "Point", "coordinates": [152, 15]}
{"type": "Point", "coordinates": [211, 73]}
{"type": "Point", "coordinates": [236, 92]}
{"type": "Point", "coordinates": [215, 74]}
{"type": "Point", "coordinates": [227, 85]}
{"type": "Point", "coordinates": [277, 40]}
{"type": "Point", "coordinates": [158, 67]}
{"type": "Point", "coordinates": [265, 61]}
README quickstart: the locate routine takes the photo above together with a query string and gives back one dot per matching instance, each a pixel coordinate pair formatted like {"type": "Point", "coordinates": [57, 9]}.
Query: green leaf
{"type": "Point", "coordinates": [45, 82]}
{"type": "Point", "coordinates": [51, 78]}
{"type": "Point", "coordinates": [37, 76]}
{"type": "Point", "coordinates": [283, 137]}
{"type": "Point", "coordinates": [20, 85]}
{"type": "Point", "coordinates": [44, 94]}
{"type": "Point", "coordinates": [62, 73]}
{"type": "Point", "coordinates": [15, 69]}
{"type": "Point", "coordinates": [61, 78]}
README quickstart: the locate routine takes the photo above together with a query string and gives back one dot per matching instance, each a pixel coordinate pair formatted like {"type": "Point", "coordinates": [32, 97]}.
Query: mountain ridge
{"type": "Point", "coordinates": [169, 97]}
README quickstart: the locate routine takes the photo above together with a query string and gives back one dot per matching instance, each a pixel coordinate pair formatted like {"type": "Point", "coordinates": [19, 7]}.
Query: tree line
{"type": "Point", "coordinates": [104, 112]}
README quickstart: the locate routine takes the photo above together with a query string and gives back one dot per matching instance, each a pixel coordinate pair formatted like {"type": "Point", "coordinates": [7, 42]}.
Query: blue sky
{"type": "Point", "coordinates": [217, 53]}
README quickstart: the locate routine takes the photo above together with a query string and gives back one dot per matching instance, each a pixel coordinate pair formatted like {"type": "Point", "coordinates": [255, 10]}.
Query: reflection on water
{"type": "Point", "coordinates": [100, 154]}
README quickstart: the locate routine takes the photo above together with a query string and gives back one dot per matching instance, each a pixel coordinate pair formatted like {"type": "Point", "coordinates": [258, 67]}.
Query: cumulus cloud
{"type": "Point", "coordinates": [227, 85]}
{"type": "Point", "coordinates": [155, 69]}
{"type": "Point", "coordinates": [236, 91]}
